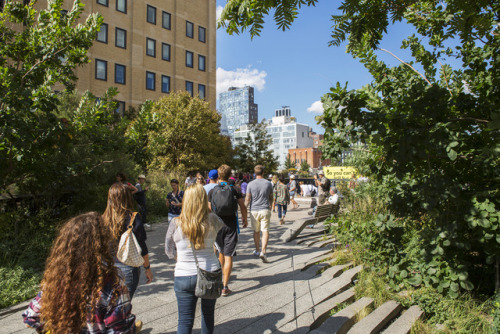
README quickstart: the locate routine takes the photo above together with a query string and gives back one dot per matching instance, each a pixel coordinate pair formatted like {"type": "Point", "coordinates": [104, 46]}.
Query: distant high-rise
{"type": "Point", "coordinates": [237, 108]}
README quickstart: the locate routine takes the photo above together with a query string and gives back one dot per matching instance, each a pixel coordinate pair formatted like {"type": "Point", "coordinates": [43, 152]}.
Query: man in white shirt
{"type": "Point", "coordinates": [334, 198]}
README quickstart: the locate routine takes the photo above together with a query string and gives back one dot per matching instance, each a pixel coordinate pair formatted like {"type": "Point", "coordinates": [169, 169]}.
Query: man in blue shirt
{"type": "Point", "coordinates": [213, 176]}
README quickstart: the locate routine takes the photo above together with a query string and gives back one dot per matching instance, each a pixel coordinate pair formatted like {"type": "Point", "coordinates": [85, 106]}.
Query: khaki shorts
{"type": "Point", "coordinates": [260, 220]}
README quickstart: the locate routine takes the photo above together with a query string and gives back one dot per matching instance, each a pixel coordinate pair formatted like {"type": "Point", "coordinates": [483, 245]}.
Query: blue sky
{"type": "Point", "coordinates": [295, 67]}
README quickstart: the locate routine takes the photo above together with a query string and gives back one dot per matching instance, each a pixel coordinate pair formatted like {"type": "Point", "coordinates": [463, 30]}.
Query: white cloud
{"type": "Point", "coordinates": [219, 12]}
{"type": "Point", "coordinates": [316, 107]}
{"type": "Point", "coordinates": [239, 78]}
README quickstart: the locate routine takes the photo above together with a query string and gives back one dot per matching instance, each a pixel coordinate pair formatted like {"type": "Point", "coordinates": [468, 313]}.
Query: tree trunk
{"type": "Point", "coordinates": [497, 274]}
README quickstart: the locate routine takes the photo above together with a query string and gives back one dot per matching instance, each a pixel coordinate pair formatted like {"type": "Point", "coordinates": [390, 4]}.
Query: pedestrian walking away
{"type": "Point", "coordinates": [213, 176]}
{"type": "Point", "coordinates": [174, 200]}
{"type": "Point", "coordinates": [224, 200]}
{"type": "Point", "coordinates": [282, 199]}
{"type": "Point", "coordinates": [140, 198]}
{"type": "Point", "coordinates": [81, 290]}
{"type": "Point", "coordinates": [116, 219]}
{"type": "Point", "coordinates": [195, 230]}
{"type": "Point", "coordinates": [259, 200]}
{"type": "Point", "coordinates": [293, 191]}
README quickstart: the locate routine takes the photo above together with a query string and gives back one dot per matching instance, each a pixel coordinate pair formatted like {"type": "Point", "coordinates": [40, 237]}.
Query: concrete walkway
{"type": "Point", "coordinates": [263, 293]}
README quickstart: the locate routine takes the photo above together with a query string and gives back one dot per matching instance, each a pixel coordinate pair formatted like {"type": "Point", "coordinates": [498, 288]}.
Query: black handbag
{"type": "Point", "coordinates": [208, 283]}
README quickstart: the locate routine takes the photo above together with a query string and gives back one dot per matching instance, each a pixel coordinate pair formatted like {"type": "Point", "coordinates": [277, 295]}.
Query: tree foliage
{"type": "Point", "coordinates": [256, 150]}
{"type": "Point", "coordinates": [430, 125]}
{"type": "Point", "coordinates": [38, 51]}
{"type": "Point", "coordinates": [179, 132]}
{"type": "Point", "coordinates": [289, 163]}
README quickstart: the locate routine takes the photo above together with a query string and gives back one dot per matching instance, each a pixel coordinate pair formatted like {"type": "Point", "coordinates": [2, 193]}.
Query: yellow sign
{"type": "Point", "coordinates": [339, 172]}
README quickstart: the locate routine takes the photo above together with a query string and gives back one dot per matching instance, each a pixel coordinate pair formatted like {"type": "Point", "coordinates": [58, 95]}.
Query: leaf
{"type": "Point", "coordinates": [403, 274]}
{"type": "Point", "coordinates": [467, 285]}
{"type": "Point", "coordinates": [415, 280]}
{"type": "Point", "coordinates": [454, 286]}
{"type": "Point", "coordinates": [452, 154]}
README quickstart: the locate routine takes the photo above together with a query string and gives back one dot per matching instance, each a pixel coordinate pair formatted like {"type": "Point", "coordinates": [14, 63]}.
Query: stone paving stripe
{"type": "Point", "coordinates": [315, 260]}
{"type": "Point", "coordinates": [307, 293]}
{"type": "Point", "coordinates": [315, 316]}
{"type": "Point", "coordinates": [377, 319]}
{"type": "Point", "coordinates": [403, 324]}
{"type": "Point", "coordinates": [343, 320]}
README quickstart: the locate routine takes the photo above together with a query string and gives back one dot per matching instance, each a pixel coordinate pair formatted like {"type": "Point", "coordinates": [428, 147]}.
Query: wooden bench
{"type": "Point", "coordinates": [322, 213]}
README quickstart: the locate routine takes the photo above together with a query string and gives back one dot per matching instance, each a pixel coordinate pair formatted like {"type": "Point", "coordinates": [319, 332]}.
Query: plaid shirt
{"type": "Point", "coordinates": [109, 316]}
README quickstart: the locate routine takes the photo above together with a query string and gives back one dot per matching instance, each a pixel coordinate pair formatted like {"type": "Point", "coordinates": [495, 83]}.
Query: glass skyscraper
{"type": "Point", "coordinates": [237, 108]}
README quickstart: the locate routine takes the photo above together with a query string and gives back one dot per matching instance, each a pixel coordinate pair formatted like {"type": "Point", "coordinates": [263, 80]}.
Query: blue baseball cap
{"type": "Point", "coordinates": [213, 174]}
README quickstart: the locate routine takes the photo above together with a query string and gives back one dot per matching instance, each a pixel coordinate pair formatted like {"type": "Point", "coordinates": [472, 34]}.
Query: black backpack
{"type": "Point", "coordinates": [326, 186]}
{"type": "Point", "coordinates": [223, 201]}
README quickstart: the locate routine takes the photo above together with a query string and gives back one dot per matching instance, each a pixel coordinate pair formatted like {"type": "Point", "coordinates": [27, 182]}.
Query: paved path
{"type": "Point", "coordinates": [263, 293]}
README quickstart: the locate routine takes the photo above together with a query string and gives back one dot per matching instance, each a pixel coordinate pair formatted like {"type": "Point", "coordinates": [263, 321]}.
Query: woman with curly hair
{"type": "Point", "coordinates": [81, 291]}
{"type": "Point", "coordinates": [117, 218]}
{"type": "Point", "coordinates": [196, 227]}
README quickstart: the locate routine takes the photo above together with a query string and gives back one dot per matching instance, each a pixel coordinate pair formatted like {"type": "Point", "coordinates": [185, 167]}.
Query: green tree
{"type": "Point", "coordinates": [430, 125]}
{"type": "Point", "coordinates": [255, 150]}
{"type": "Point", "coordinates": [289, 163]}
{"type": "Point", "coordinates": [179, 132]}
{"type": "Point", "coordinates": [38, 51]}
{"type": "Point", "coordinates": [304, 167]}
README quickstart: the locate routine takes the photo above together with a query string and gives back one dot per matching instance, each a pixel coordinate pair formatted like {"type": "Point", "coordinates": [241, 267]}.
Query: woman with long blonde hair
{"type": "Point", "coordinates": [81, 291]}
{"type": "Point", "coordinates": [196, 228]}
{"type": "Point", "coordinates": [116, 219]}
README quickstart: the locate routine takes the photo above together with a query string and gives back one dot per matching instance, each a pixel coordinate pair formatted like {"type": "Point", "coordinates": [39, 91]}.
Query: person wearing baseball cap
{"type": "Point", "coordinates": [213, 176]}
{"type": "Point", "coordinates": [321, 182]}
{"type": "Point", "coordinates": [140, 198]}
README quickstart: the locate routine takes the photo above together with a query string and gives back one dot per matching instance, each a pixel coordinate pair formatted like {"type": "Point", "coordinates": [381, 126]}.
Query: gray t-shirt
{"type": "Point", "coordinates": [260, 190]}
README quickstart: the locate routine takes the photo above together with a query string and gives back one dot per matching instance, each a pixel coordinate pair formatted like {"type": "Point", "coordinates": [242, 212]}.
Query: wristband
{"type": "Point", "coordinates": [148, 267]}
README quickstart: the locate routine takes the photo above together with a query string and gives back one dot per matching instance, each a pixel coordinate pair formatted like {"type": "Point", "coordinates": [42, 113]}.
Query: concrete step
{"type": "Point", "coordinates": [319, 259]}
{"type": "Point", "coordinates": [342, 321]}
{"type": "Point", "coordinates": [377, 319]}
{"type": "Point", "coordinates": [304, 237]}
{"type": "Point", "coordinates": [403, 324]}
{"type": "Point", "coordinates": [296, 228]}
{"type": "Point", "coordinates": [308, 294]}
{"type": "Point", "coordinates": [332, 243]}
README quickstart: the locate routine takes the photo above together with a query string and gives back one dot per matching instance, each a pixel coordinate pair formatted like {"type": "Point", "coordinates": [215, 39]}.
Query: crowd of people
{"type": "Point", "coordinates": [87, 289]}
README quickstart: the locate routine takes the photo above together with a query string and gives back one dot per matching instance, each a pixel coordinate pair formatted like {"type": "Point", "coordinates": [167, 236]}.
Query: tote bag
{"type": "Point", "coordinates": [129, 251]}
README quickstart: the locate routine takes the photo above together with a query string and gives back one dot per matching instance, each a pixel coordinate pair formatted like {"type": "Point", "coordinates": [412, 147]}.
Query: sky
{"type": "Point", "coordinates": [295, 67]}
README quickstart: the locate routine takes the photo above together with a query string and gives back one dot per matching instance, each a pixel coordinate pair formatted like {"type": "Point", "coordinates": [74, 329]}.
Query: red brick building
{"type": "Point", "coordinates": [310, 154]}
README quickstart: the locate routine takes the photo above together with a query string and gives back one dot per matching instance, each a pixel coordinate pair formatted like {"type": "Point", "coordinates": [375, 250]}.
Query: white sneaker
{"type": "Point", "coordinates": [263, 257]}
{"type": "Point", "coordinates": [255, 253]}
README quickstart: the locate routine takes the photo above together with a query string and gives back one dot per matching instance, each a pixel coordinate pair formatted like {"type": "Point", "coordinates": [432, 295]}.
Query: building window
{"type": "Point", "coordinates": [120, 74]}
{"type": "Point", "coordinates": [189, 59]}
{"type": "Point", "coordinates": [166, 20]}
{"type": "Point", "coordinates": [121, 38]}
{"type": "Point", "coordinates": [150, 81]}
{"type": "Point", "coordinates": [101, 69]}
{"type": "Point", "coordinates": [201, 91]}
{"type": "Point", "coordinates": [120, 107]}
{"type": "Point", "coordinates": [150, 47]}
{"type": "Point", "coordinates": [202, 34]}
{"type": "Point", "coordinates": [121, 6]}
{"type": "Point", "coordinates": [165, 51]}
{"type": "Point", "coordinates": [102, 35]}
{"type": "Point", "coordinates": [151, 14]}
{"type": "Point", "coordinates": [189, 87]}
{"type": "Point", "coordinates": [103, 2]}
{"type": "Point", "coordinates": [189, 29]}
{"type": "Point", "coordinates": [165, 84]}
{"type": "Point", "coordinates": [201, 62]}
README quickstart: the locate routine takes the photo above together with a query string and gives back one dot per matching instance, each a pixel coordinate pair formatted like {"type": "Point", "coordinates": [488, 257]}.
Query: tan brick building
{"type": "Point", "coordinates": [150, 48]}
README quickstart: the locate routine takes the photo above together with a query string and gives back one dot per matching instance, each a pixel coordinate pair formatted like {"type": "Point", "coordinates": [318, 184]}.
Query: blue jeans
{"type": "Point", "coordinates": [281, 207]}
{"type": "Point", "coordinates": [171, 216]}
{"type": "Point", "coordinates": [186, 303]}
{"type": "Point", "coordinates": [130, 275]}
